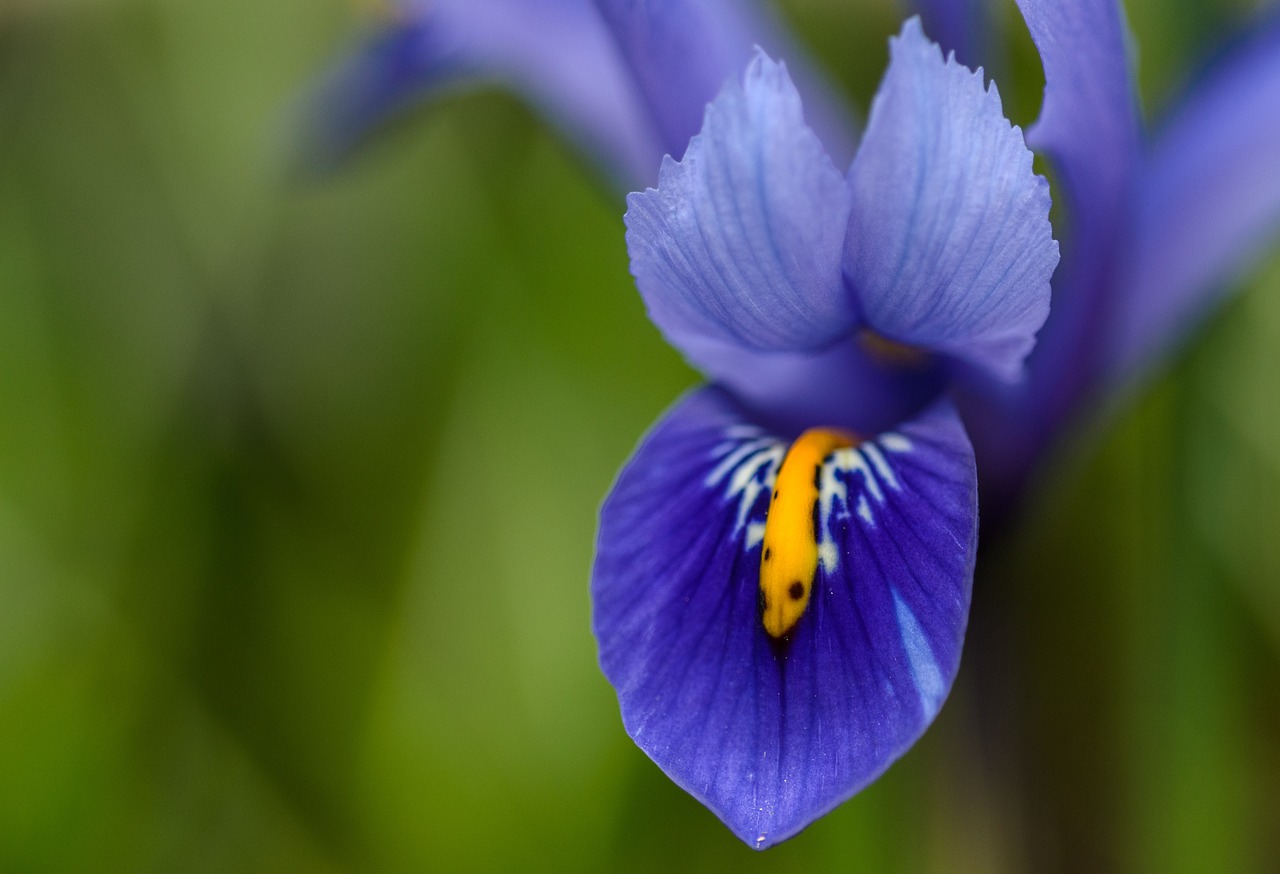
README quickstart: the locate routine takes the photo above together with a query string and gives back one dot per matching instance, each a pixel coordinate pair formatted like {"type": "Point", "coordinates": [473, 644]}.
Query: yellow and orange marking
{"type": "Point", "coordinates": [789, 556]}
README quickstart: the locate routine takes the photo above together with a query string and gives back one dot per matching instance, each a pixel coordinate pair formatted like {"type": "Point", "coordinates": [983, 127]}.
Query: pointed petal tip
{"type": "Point", "coordinates": [398, 64]}
{"type": "Point", "coordinates": [912, 38]}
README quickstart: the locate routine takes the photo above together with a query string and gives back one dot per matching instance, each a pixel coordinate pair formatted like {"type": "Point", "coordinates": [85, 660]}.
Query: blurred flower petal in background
{"type": "Point", "coordinates": [1206, 200]}
{"type": "Point", "coordinates": [557, 53]}
{"type": "Point", "coordinates": [626, 82]}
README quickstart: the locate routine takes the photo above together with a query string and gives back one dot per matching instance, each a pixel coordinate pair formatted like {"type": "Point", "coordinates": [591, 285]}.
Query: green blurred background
{"type": "Point", "coordinates": [298, 485]}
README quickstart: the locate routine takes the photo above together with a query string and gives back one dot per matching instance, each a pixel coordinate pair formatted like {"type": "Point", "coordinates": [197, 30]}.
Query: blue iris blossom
{"type": "Point", "coordinates": [784, 566]}
{"type": "Point", "coordinates": [830, 312]}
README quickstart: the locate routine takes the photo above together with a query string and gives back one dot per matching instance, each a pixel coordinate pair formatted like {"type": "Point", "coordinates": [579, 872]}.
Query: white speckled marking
{"type": "Point", "coordinates": [749, 468]}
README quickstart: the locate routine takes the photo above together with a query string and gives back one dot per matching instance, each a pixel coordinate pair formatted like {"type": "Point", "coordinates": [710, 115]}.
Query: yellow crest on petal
{"type": "Point", "coordinates": [789, 557]}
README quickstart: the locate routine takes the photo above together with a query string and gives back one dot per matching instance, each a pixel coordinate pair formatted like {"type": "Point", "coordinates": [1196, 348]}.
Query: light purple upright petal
{"type": "Point", "coordinates": [1090, 130]}
{"type": "Point", "coordinates": [1088, 125]}
{"type": "Point", "coordinates": [557, 53]}
{"type": "Point", "coordinates": [682, 52]}
{"type": "Point", "coordinates": [772, 733]}
{"type": "Point", "coordinates": [1206, 201]}
{"type": "Point", "coordinates": [741, 240]}
{"type": "Point", "coordinates": [949, 246]}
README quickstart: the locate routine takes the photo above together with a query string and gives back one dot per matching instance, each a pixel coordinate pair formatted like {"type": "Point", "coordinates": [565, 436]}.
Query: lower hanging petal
{"type": "Point", "coordinates": [772, 732]}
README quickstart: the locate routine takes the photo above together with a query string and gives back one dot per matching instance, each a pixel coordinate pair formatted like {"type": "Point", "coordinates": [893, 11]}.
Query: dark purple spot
{"type": "Point", "coordinates": [796, 591]}
{"type": "Point", "coordinates": [768, 553]}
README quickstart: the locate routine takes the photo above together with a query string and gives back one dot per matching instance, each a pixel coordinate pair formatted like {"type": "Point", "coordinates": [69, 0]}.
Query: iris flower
{"type": "Point", "coordinates": [784, 566]}
{"type": "Point", "coordinates": [791, 286]}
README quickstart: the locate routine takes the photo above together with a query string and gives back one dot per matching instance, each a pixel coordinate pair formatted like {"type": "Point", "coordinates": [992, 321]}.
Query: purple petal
{"type": "Point", "coordinates": [1088, 124]}
{"type": "Point", "coordinates": [1089, 128]}
{"type": "Point", "coordinates": [845, 384]}
{"type": "Point", "coordinates": [558, 53]}
{"type": "Point", "coordinates": [949, 245]}
{"type": "Point", "coordinates": [391, 71]}
{"type": "Point", "coordinates": [772, 734]}
{"type": "Point", "coordinates": [682, 52]}
{"type": "Point", "coordinates": [1207, 200]}
{"type": "Point", "coordinates": [741, 240]}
